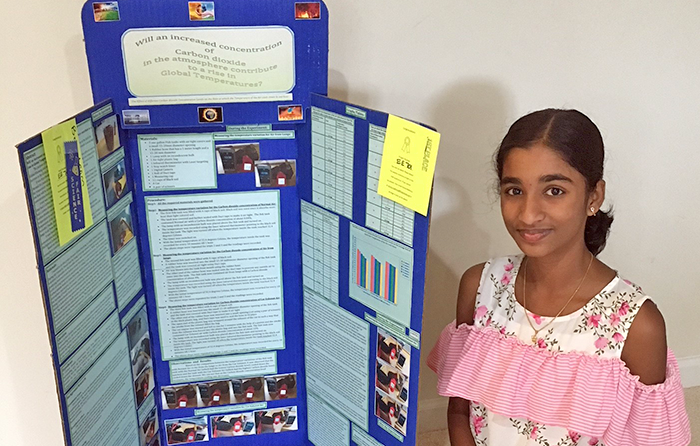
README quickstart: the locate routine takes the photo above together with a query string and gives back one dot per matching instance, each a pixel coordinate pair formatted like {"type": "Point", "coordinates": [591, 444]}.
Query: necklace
{"type": "Point", "coordinates": [527, 316]}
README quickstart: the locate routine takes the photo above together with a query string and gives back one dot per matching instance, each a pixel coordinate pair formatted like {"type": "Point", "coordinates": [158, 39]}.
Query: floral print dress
{"type": "Point", "coordinates": [598, 328]}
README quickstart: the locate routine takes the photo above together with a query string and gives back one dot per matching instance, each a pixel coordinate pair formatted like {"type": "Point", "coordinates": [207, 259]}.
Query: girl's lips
{"type": "Point", "coordinates": [533, 235]}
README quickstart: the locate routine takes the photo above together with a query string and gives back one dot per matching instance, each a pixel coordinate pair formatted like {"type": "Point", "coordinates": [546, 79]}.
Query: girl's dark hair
{"type": "Point", "coordinates": [577, 139]}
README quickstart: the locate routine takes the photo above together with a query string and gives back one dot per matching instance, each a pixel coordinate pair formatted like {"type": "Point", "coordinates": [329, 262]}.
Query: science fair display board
{"type": "Point", "coordinates": [226, 255]}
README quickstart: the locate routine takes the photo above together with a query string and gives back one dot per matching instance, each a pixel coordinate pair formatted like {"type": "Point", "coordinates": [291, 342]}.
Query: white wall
{"type": "Point", "coordinates": [469, 68]}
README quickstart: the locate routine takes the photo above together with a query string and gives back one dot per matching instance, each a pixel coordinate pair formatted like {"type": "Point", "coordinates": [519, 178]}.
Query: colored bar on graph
{"type": "Point", "coordinates": [366, 273]}
{"type": "Point", "coordinates": [392, 286]}
{"type": "Point", "coordinates": [377, 276]}
{"type": "Point", "coordinates": [386, 281]}
{"type": "Point", "coordinates": [395, 283]}
{"type": "Point", "coordinates": [380, 291]}
{"type": "Point", "coordinates": [363, 266]}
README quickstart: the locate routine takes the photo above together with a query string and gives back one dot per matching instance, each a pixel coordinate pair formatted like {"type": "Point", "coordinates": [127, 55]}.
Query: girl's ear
{"type": "Point", "coordinates": [596, 197]}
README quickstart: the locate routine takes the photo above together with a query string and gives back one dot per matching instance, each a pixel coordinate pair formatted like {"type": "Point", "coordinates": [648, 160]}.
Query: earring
{"type": "Point", "coordinates": [593, 210]}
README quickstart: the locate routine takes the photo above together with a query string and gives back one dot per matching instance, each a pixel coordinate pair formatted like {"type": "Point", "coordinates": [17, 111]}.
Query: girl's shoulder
{"type": "Point", "coordinates": [621, 292]}
{"type": "Point", "coordinates": [507, 263]}
{"type": "Point", "coordinates": [467, 294]}
{"type": "Point", "coordinates": [477, 280]}
{"type": "Point", "coordinates": [494, 268]}
{"type": "Point", "coordinates": [499, 273]}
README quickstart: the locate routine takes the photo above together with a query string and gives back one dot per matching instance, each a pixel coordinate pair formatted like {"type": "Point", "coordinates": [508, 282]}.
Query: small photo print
{"type": "Point", "coordinates": [391, 412]}
{"type": "Point", "coordinates": [141, 355]}
{"type": "Point", "coordinates": [274, 421]}
{"type": "Point", "coordinates": [216, 393]}
{"type": "Point", "coordinates": [107, 136]}
{"type": "Point", "coordinates": [275, 173]}
{"type": "Point", "coordinates": [392, 382]}
{"type": "Point", "coordinates": [201, 11]}
{"type": "Point", "coordinates": [115, 183]}
{"type": "Point", "coordinates": [187, 430]}
{"type": "Point", "coordinates": [236, 158]}
{"type": "Point", "coordinates": [143, 385]}
{"type": "Point", "coordinates": [290, 112]}
{"type": "Point", "coordinates": [210, 115]}
{"type": "Point", "coordinates": [137, 329]}
{"type": "Point", "coordinates": [179, 397]}
{"type": "Point", "coordinates": [106, 11]}
{"type": "Point", "coordinates": [121, 229]}
{"type": "Point", "coordinates": [136, 117]}
{"type": "Point", "coordinates": [280, 387]}
{"type": "Point", "coordinates": [235, 425]}
{"type": "Point", "coordinates": [307, 11]}
{"type": "Point", "coordinates": [248, 390]}
{"type": "Point", "coordinates": [148, 429]}
{"type": "Point", "coordinates": [393, 352]}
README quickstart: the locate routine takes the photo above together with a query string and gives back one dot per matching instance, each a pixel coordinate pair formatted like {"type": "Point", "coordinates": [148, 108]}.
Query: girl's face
{"type": "Point", "coordinates": [545, 201]}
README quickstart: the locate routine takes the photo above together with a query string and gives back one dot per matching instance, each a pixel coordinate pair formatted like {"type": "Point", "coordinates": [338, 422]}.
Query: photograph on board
{"type": "Point", "coordinates": [290, 113]}
{"type": "Point", "coordinates": [107, 136]}
{"type": "Point", "coordinates": [143, 385]}
{"type": "Point", "coordinates": [179, 397]}
{"type": "Point", "coordinates": [149, 427]}
{"type": "Point", "coordinates": [307, 11]}
{"type": "Point", "coordinates": [141, 355]}
{"type": "Point", "coordinates": [392, 382]}
{"type": "Point", "coordinates": [121, 229]}
{"type": "Point", "coordinates": [274, 421]}
{"type": "Point", "coordinates": [393, 352]}
{"type": "Point", "coordinates": [137, 328]}
{"type": "Point", "coordinates": [115, 183]}
{"type": "Point", "coordinates": [391, 412]}
{"type": "Point", "coordinates": [234, 425]}
{"type": "Point", "coordinates": [136, 117]}
{"type": "Point", "coordinates": [248, 390]}
{"type": "Point", "coordinates": [187, 430]}
{"type": "Point", "coordinates": [236, 158]}
{"type": "Point", "coordinates": [215, 393]}
{"type": "Point", "coordinates": [275, 173]}
{"type": "Point", "coordinates": [106, 11]}
{"type": "Point", "coordinates": [280, 387]}
{"type": "Point", "coordinates": [201, 11]}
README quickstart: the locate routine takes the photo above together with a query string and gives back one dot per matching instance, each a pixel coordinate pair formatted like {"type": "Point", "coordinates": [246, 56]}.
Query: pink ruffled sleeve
{"type": "Point", "coordinates": [597, 397]}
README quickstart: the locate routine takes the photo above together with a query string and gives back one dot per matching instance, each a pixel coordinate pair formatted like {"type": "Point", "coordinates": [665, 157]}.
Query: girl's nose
{"type": "Point", "coordinates": [531, 211]}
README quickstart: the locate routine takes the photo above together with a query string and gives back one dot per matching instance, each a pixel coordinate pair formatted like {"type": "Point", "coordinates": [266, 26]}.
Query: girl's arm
{"type": "Point", "coordinates": [458, 409]}
{"type": "Point", "coordinates": [458, 423]}
{"type": "Point", "coordinates": [645, 348]}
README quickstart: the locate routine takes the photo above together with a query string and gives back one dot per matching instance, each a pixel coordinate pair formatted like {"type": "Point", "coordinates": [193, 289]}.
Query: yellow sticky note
{"type": "Point", "coordinates": [67, 177]}
{"type": "Point", "coordinates": [408, 164]}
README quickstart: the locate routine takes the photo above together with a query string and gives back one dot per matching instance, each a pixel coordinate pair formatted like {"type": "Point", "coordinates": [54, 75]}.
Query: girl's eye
{"type": "Point", "coordinates": [554, 191]}
{"type": "Point", "coordinates": [513, 191]}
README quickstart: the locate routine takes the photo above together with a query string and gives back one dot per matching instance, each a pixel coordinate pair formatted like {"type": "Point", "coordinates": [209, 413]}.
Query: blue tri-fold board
{"type": "Point", "coordinates": [242, 282]}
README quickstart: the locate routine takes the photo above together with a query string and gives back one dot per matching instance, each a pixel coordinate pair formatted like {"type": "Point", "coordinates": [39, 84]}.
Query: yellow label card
{"type": "Point", "coordinates": [67, 176]}
{"type": "Point", "coordinates": [408, 164]}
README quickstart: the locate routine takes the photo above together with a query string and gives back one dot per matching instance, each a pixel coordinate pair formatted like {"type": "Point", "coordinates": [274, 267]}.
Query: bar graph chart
{"type": "Point", "coordinates": [376, 277]}
{"type": "Point", "coordinates": [381, 273]}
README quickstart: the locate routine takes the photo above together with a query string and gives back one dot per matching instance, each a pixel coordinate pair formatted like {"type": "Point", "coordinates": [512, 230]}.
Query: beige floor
{"type": "Point", "coordinates": [692, 402]}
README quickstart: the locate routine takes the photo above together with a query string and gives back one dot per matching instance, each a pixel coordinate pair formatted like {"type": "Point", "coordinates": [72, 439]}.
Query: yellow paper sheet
{"type": "Point", "coordinates": [54, 149]}
{"type": "Point", "coordinates": [408, 164]}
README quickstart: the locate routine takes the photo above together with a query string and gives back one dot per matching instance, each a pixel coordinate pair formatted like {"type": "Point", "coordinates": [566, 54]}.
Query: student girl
{"type": "Point", "coordinates": [552, 346]}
